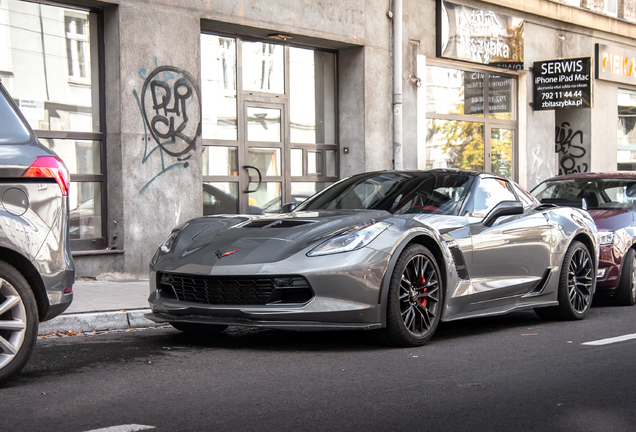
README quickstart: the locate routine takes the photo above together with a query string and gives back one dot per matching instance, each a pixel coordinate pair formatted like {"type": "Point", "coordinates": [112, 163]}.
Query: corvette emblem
{"type": "Point", "coordinates": [221, 255]}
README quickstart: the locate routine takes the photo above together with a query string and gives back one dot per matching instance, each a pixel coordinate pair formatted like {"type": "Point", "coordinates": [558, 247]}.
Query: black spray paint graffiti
{"type": "Point", "coordinates": [167, 96]}
{"type": "Point", "coordinates": [570, 154]}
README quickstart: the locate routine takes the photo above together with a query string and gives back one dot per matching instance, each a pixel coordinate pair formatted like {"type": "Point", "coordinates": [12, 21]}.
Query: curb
{"type": "Point", "coordinates": [98, 321]}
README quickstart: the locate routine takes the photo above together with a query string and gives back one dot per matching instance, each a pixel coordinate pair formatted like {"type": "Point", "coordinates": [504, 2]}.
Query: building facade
{"type": "Point", "coordinates": [166, 110]}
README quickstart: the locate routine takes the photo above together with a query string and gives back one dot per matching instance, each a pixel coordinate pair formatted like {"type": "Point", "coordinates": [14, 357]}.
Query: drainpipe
{"type": "Point", "coordinates": [397, 85]}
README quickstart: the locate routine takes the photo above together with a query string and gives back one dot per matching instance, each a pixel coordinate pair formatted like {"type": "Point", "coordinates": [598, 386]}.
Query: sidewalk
{"type": "Point", "coordinates": [103, 305]}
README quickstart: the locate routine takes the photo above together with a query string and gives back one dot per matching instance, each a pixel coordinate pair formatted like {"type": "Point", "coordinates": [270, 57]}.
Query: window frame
{"type": "Point", "coordinates": [99, 243]}
{"type": "Point", "coordinates": [244, 97]}
{"type": "Point", "coordinates": [488, 123]}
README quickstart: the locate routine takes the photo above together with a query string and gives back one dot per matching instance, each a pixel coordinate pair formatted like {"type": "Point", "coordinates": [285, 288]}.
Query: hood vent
{"type": "Point", "coordinates": [276, 223]}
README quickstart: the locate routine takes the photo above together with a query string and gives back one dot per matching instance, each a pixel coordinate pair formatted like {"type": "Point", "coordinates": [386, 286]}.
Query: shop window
{"type": "Point", "coordinates": [462, 131]}
{"type": "Point", "coordinates": [54, 59]}
{"type": "Point", "coordinates": [626, 157]}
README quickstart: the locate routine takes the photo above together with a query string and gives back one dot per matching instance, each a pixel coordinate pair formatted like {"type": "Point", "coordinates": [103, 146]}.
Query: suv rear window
{"type": "Point", "coordinates": [12, 130]}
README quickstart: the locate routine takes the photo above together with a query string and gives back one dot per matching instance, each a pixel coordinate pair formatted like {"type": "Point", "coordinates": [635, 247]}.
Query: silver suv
{"type": "Point", "coordinates": [36, 266]}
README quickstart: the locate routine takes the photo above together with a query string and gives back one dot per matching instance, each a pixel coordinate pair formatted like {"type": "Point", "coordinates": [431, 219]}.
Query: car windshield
{"type": "Point", "coordinates": [13, 130]}
{"type": "Point", "coordinates": [398, 193]}
{"type": "Point", "coordinates": [595, 193]}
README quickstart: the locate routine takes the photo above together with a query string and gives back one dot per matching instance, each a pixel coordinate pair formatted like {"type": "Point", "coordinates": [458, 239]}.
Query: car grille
{"type": "Point", "coordinates": [223, 290]}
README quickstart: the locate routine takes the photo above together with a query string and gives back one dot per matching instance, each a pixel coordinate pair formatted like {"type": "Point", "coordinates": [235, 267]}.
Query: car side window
{"type": "Point", "coordinates": [489, 193]}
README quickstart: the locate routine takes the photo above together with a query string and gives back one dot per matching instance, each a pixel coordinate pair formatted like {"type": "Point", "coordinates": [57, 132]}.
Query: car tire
{"type": "Point", "coordinates": [625, 294]}
{"type": "Point", "coordinates": [196, 328]}
{"type": "Point", "coordinates": [18, 322]}
{"type": "Point", "coordinates": [415, 299]}
{"type": "Point", "coordinates": [576, 285]}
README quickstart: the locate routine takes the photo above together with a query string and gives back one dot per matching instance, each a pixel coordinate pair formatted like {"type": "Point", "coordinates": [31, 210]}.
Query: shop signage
{"type": "Point", "coordinates": [615, 64]}
{"type": "Point", "coordinates": [562, 84]}
{"type": "Point", "coordinates": [499, 93]}
{"type": "Point", "coordinates": [479, 35]}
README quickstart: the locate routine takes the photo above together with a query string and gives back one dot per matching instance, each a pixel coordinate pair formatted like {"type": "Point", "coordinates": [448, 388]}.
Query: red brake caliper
{"type": "Point", "coordinates": [423, 301]}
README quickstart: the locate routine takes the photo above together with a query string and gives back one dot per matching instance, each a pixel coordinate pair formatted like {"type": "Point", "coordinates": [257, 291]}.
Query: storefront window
{"type": "Point", "coordinates": [49, 64]}
{"type": "Point", "coordinates": [218, 87]}
{"type": "Point", "coordinates": [626, 156]}
{"type": "Point", "coordinates": [454, 144]}
{"type": "Point", "coordinates": [269, 137]}
{"type": "Point", "coordinates": [462, 131]}
{"type": "Point", "coordinates": [312, 96]}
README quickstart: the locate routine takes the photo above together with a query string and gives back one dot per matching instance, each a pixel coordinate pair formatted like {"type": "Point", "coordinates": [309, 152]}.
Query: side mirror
{"type": "Point", "coordinates": [504, 208]}
{"type": "Point", "coordinates": [288, 208]}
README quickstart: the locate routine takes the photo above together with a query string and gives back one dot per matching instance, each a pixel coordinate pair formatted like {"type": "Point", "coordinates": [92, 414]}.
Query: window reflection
{"type": "Point", "coordinates": [263, 67]}
{"type": "Point", "coordinates": [490, 193]}
{"type": "Point", "coordinates": [220, 160]}
{"type": "Point", "coordinates": [267, 160]}
{"type": "Point", "coordinates": [218, 87]}
{"type": "Point", "coordinates": [263, 124]}
{"type": "Point", "coordinates": [501, 145]}
{"type": "Point", "coordinates": [312, 96]}
{"type": "Point", "coordinates": [267, 196]}
{"type": "Point", "coordinates": [626, 156]}
{"type": "Point", "coordinates": [453, 144]}
{"type": "Point", "coordinates": [296, 162]}
{"type": "Point", "coordinates": [452, 91]}
{"type": "Point", "coordinates": [85, 217]}
{"type": "Point", "coordinates": [79, 156]}
{"type": "Point", "coordinates": [55, 92]}
{"type": "Point", "coordinates": [314, 162]}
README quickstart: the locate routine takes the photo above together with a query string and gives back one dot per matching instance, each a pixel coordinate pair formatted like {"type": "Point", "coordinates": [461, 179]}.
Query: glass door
{"type": "Point", "coordinates": [268, 124]}
{"type": "Point", "coordinates": [263, 155]}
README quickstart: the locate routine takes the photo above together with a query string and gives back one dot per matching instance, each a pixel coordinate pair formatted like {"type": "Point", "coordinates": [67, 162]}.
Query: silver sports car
{"type": "Point", "coordinates": [391, 252]}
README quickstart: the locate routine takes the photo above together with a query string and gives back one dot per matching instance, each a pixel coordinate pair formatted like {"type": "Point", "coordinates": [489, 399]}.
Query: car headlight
{"type": "Point", "coordinates": [166, 245]}
{"type": "Point", "coordinates": [354, 238]}
{"type": "Point", "coordinates": [605, 237]}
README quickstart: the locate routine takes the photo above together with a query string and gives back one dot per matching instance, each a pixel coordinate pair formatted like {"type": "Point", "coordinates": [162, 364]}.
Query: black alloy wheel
{"type": "Point", "coordinates": [576, 285]}
{"type": "Point", "coordinates": [415, 299]}
{"type": "Point", "coordinates": [580, 280]}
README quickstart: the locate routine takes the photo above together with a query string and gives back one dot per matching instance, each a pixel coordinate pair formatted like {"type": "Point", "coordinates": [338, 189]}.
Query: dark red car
{"type": "Point", "coordinates": [610, 198]}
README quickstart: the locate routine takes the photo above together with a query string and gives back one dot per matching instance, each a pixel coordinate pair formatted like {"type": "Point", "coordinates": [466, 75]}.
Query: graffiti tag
{"type": "Point", "coordinates": [168, 98]}
{"type": "Point", "coordinates": [570, 154]}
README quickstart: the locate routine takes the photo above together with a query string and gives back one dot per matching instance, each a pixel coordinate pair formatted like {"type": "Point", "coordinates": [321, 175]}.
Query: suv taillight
{"type": "Point", "coordinates": [49, 167]}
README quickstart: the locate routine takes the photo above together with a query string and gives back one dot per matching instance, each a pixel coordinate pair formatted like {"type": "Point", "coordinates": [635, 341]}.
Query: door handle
{"type": "Point", "coordinates": [260, 178]}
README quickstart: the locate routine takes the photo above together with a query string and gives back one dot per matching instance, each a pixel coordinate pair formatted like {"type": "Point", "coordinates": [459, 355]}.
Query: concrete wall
{"type": "Point", "coordinates": [604, 125]}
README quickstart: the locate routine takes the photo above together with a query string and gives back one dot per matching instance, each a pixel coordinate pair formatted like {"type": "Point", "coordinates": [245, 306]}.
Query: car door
{"type": "Point", "coordinates": [510, 257]}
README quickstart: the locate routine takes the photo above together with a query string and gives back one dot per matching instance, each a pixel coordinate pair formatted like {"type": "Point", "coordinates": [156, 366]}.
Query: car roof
{"type": "Point", "coordinates": [596, 175]}
{"type": "Point", "coordinates": [433, 171]}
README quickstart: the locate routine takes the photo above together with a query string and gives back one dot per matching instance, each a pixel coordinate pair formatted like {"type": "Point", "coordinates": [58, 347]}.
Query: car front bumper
{"type": "Point", "coordinates": [346, 294]}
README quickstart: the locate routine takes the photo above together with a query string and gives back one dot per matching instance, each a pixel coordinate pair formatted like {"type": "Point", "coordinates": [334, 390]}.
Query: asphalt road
{"type": "Point", "coordinates": [510, 373]}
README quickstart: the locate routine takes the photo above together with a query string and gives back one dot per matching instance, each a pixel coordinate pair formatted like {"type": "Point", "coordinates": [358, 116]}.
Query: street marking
{"type": "Point", "coordinates": [611, 340]}
{"type": "Point", "coordinates": [124, 428]}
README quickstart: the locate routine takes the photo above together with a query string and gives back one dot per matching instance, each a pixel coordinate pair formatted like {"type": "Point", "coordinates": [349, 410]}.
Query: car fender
{"type": "Point", "coordinates": [426, 237]}
{"type": "Point", "coordinates": [568, 224]}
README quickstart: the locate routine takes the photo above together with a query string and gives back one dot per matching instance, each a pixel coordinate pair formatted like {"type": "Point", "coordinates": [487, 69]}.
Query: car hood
{"type": "Point", "coordinates": [611, 220]}
{"type": "Point", "coordinates": [247, 239]}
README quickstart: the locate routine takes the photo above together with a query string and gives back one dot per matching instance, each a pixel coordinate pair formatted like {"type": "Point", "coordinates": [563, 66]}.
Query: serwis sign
{"type": "Point", "coordinates": [479, 35]}
{"type": "Point", "coordinates": [562, 84]}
